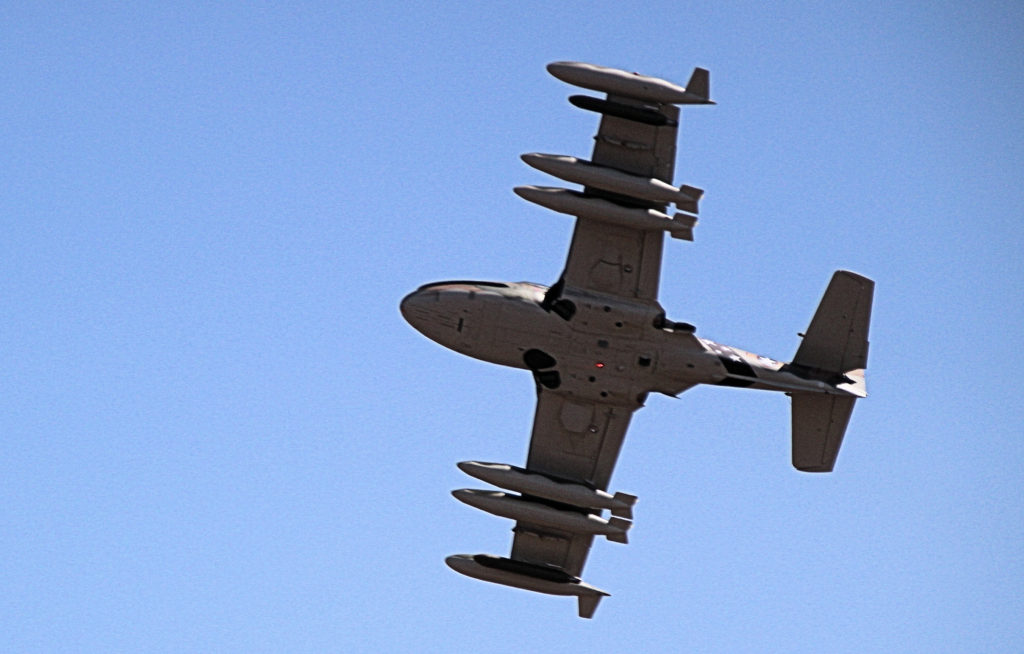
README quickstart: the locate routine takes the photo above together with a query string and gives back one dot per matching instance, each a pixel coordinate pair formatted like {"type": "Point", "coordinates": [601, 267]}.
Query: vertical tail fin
{"type": "Point", "coordinates": [837, 339]}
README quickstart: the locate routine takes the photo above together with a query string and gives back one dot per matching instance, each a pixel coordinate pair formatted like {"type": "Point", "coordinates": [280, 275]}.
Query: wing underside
{"type": "Point", "coordinates": [616, 259]}
{"type": "Point", "coordinates": [579, 442]}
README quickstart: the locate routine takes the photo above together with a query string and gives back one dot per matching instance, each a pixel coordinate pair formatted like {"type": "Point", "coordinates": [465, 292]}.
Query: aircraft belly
{"type": "Point", "coordinates": [519, 329]}
{"type": "Point", "coordinates": [608, 371]}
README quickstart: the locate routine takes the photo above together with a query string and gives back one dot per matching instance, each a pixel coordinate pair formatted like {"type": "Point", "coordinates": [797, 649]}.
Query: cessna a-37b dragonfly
{"type": "Point", "coordinates": [597, 342]}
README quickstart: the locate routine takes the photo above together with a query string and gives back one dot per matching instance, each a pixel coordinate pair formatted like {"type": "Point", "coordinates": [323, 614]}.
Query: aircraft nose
{"type": "Point", "coordinates": [437, 312]}
{"type": "Point", "coordinates": [453, 314]}
{"type": "Point", "coordinates": [417, 310]}
{"type": "Point", "coordinates": [406, 306]}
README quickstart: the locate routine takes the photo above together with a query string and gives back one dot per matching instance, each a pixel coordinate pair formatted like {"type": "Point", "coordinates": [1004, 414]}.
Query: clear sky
{"type": "Point", "coordinates": [217, 434]}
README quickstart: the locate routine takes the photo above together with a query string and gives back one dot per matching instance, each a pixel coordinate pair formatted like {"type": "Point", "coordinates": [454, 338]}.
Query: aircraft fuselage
{"type": "Point", "coordinates": [594, 347]}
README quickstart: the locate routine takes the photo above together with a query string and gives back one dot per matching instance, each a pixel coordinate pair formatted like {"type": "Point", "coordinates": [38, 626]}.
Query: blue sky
{"type": "Point", "coordinates": [217, 434]}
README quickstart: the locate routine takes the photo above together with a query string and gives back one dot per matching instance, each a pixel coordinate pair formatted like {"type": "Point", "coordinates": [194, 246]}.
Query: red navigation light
{"type": "Point", "coordinates": [599, 365]}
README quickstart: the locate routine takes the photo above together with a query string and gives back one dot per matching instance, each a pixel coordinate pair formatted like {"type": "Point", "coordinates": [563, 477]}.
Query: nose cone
{"type": "Point", "coordinates": [465, 316]}
{"type": "Point", "coordinates": [446, 313]}
{"type": "Point", "coordinates": [425, 312]}
{"type": "Point", "coordinates": [409, 307]}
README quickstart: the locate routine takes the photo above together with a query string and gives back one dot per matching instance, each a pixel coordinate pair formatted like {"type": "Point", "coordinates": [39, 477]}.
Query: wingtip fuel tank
{"type": "Point", "coordinates": [632, 85]}
{"type": "Point", "coordinates": [519, 574]}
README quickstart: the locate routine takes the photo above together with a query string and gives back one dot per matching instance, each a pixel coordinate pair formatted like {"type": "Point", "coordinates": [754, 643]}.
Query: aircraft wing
{"type": "Point", "coordinates": [577, 441]}
{"type": "Point", "coordinates": [615, 259]}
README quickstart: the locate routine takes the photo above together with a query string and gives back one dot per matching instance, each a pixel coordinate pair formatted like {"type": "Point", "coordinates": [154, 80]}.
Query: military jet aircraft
{"type": "Point", "coordinates": [598, 342]}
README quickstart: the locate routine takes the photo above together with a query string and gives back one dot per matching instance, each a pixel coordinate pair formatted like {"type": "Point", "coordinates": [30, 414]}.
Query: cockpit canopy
{"type": "Point", "coordinates": [523, 290]}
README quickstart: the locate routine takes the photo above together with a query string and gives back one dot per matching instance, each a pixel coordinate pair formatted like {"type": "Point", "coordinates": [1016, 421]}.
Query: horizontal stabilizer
{"type": "Point", "coordinates": [819, 423]}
